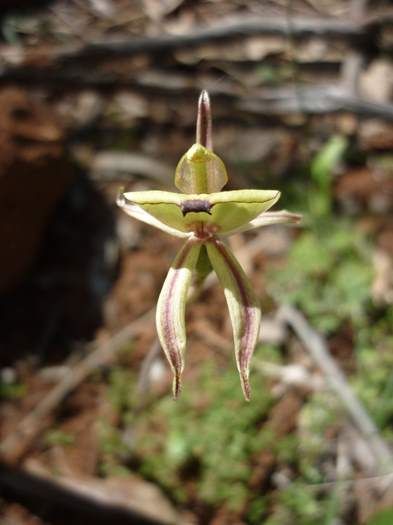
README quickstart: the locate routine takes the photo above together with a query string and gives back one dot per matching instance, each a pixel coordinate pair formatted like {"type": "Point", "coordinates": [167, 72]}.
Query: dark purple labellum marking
{"type": "Point", "coordinates": [195, 205]}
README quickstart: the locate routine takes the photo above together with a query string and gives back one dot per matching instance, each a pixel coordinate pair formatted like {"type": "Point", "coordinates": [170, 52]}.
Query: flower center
{"type": "Point", "coordinates": [203, 230]}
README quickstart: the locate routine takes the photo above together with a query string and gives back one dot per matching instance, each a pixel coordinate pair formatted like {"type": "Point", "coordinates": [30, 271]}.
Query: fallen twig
{"type": "Point", "coordinates": [314, 100]}
{"type": "Point", "coordinates": [71, 502]}
{"type": "Point", "coordinates": [243, 27]}
{"type": "Point", "coordinates": [288, 375]}
{"type": "Point", "coordinates": [299, 27]}
{"type": "Point", "coordinates": [319, 351]}
{"type": "Point", "coordinates": [280, 101]}
{"type": "Point", "coordinates": [144, 374]}
{"type": "Point", "coordinates": [16, 444]}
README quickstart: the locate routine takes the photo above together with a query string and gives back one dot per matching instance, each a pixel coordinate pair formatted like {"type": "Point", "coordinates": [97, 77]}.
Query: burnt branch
{"type": "Point", "coordinates": [298, 28]}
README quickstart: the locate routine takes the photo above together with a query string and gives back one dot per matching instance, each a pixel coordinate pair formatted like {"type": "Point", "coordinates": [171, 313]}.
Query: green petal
{"type": "Point", "coordinates": [137, 212]}
{"type": "Point", "coordinates": [165, 206]}
{"type": "Point", "coordinates": [232, 209]}
{"type": "Point", "coordinates": [242, 304]}
{"type": "Point", "coordinates": [267, 219]}
{"type": "Point", "coordinates": [227, 210]}
{"type": "Point", "coordinates": [200, 171]}
{"type": "Point", "coordinates": [170, 314]}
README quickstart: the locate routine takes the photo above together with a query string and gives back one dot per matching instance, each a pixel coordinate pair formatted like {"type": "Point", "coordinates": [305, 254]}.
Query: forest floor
{"type": "Point", "coordinates": [90, 433]}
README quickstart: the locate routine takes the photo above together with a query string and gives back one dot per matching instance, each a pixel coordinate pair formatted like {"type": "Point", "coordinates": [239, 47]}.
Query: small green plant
{"type": "Point", "coordinates": [321, 170]}
{"type": "Point", "coordinates": [120, 381]}
{"type": "Point", "coordinates": [57, 437]}
{"type": "Point", "coordinates": [374, 378]}
{"type": "Point", "coordinates": [384, 517]}
{"type": "Point", "coordinates": [12, 390]}
{"type": "Point", "coordinates": [206, 438]}
{"type": "Point", "coordinates": [324, 270]}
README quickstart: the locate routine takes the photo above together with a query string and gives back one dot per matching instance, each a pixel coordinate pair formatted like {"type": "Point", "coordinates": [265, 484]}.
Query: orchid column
{"type": "Point", "coordinates": [204, 216]}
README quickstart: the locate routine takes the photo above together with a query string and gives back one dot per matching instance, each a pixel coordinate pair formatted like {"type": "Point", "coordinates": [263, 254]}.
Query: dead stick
{"type": "Point", "coordinates": [278, 102]}
{"type": "Point", "coordinates": [16, 444]}
{"type": "Point", "coordinates": [244, 27]}
{"type": "Point", "coordinates": [143, 383]}
{"type": "Point", "coordinates": [354, 61]}
{"type": "Point", "coordinates": [44, 495]}
{"type": "Point", "coordinates": [319, 351]}
{"type": "Point", "coordinates": [300, 27]}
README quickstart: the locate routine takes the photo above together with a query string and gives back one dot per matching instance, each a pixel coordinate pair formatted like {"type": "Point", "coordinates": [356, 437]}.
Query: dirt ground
{"type": "Point", "coordinates": [92, 100]}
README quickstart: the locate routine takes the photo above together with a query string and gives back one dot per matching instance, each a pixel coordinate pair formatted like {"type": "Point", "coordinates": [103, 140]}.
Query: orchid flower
{"type": "Point", "coordinates": [205, 216]}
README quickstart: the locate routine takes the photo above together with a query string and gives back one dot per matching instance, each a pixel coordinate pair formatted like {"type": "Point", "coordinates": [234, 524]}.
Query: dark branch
{"type": "Point", "coordinates": [280, 101]}
{"type": "Point", "coordinates": [299, 28]}
{"type": "Point", "coordinates": [51, 500]}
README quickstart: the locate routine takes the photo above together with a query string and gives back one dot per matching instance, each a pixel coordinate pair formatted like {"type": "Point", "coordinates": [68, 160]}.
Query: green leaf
{"type": "Point", "coordinates": [321, 172]}
{"type": "Point", "coordinates": [326, 160]}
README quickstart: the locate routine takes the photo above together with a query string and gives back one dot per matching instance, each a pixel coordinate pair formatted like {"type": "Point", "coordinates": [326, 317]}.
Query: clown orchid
{"type": "Point", "coordinates": [204, 216]}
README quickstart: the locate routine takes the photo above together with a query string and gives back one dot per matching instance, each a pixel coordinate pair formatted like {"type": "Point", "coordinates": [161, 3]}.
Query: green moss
{"type": "Point", "coordinates": [58, 437]}
{"type": "Point", "coordinates": [12, 390]}
{"type": "Point", "coordinates": [121, 386]}
{"type": "Point", "coordinates": [208, 436]}
{"type": "Point", "coordinates": [327, 268]}
{"type": "Point", "coordinates": [384, 517]}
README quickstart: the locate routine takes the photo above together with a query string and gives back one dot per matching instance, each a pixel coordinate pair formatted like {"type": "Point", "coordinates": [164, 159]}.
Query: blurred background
{"type": "Point", "coordinates": [101, 94]}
